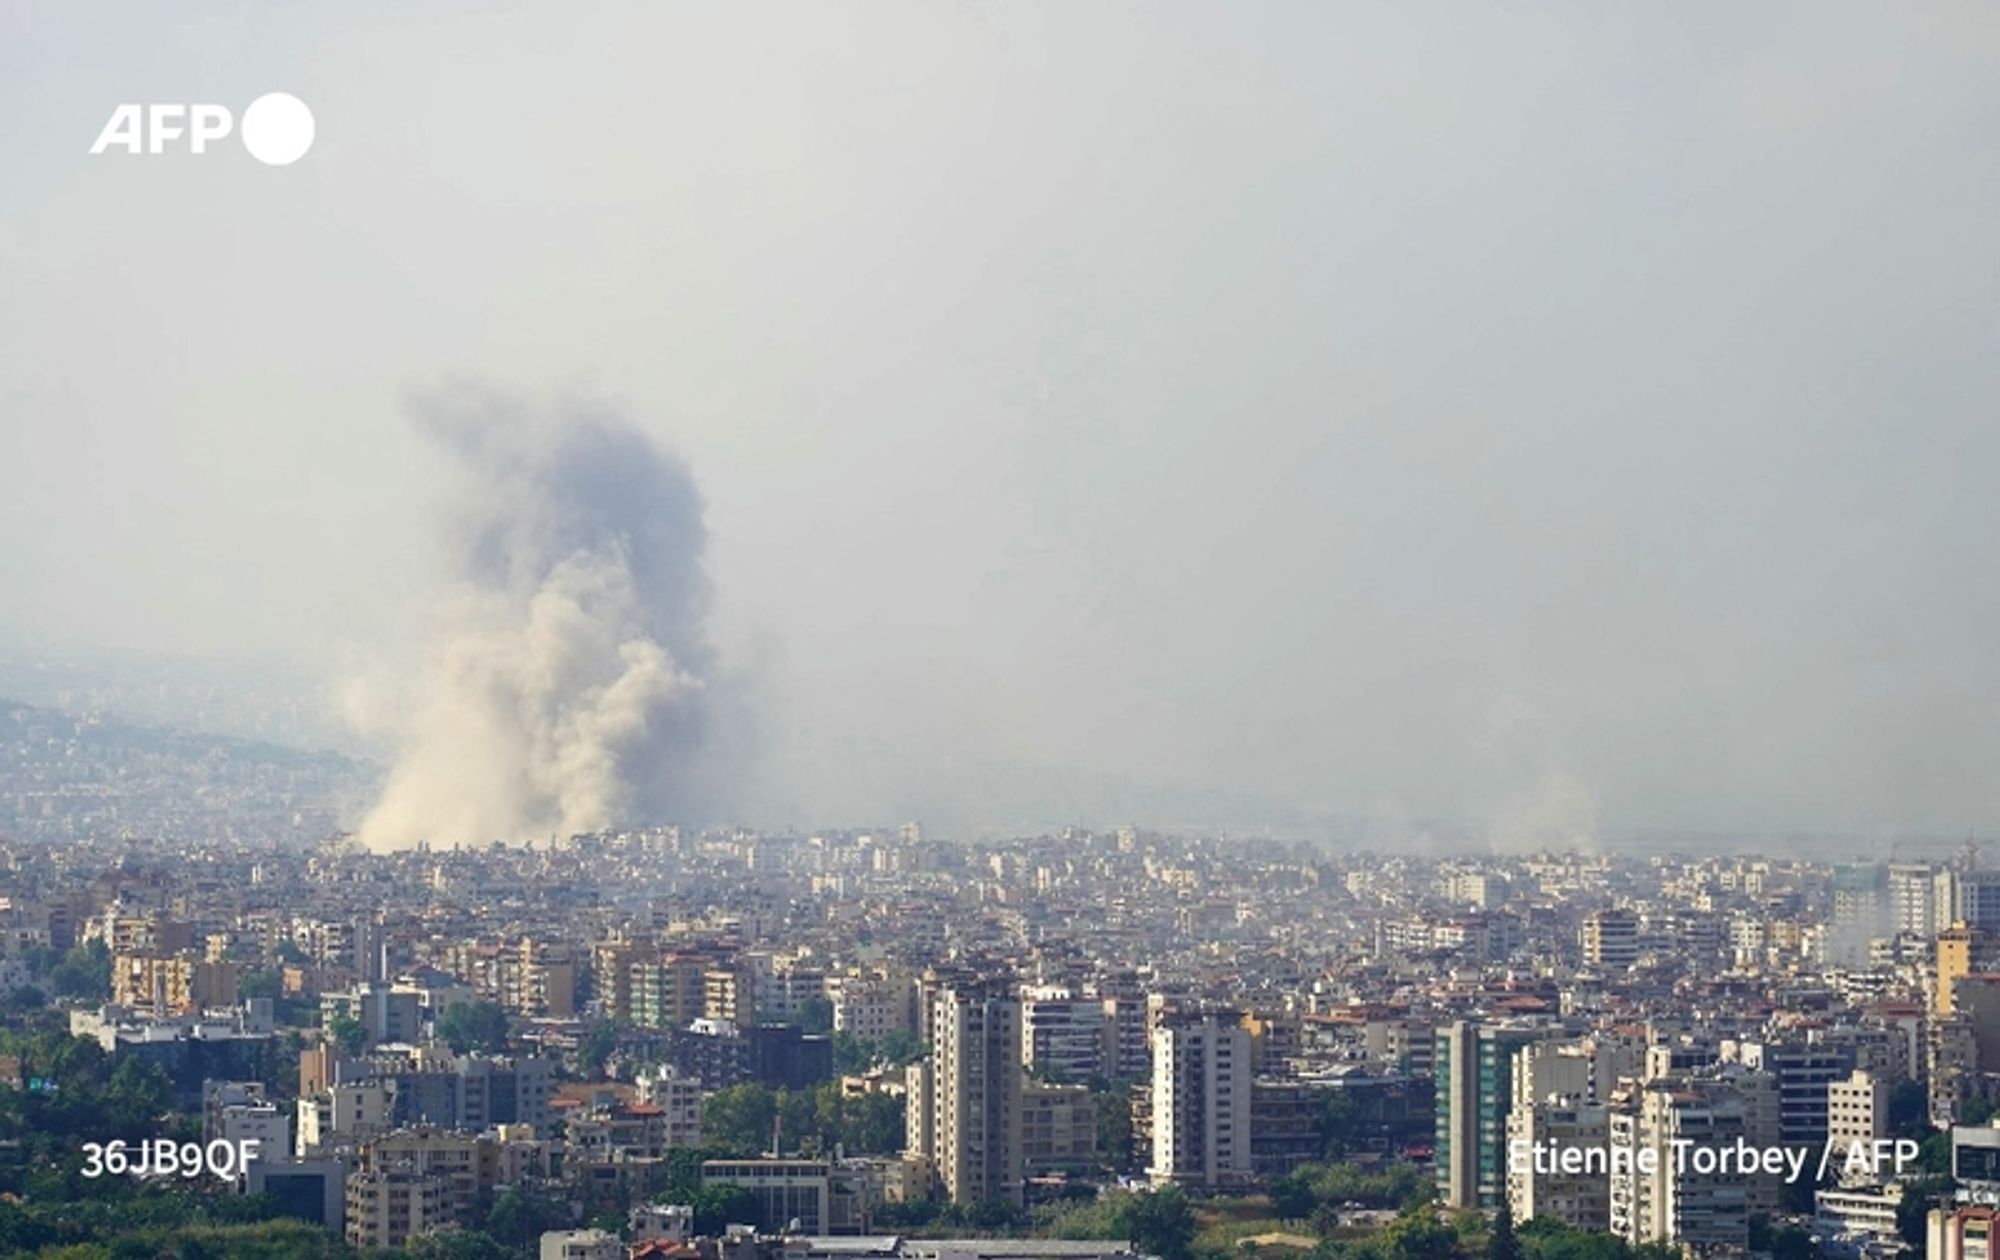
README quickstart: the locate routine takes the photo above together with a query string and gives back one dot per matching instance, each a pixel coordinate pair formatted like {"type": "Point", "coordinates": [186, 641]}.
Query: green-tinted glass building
{"type": "Point", "coordinates": [1474, 1065]}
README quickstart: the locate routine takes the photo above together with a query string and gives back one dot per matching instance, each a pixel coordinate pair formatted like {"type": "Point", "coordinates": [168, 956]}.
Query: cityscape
{"type": "Point", "coordinates": [959, 630]}
{"type": "Point", "coordinates": [666, 1042]}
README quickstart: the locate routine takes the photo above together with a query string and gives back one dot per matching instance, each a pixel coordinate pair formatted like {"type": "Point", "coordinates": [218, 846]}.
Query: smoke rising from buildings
{"type": "Point", "coordinates": [565, 685]}
{"type": "Point", "coordinates": [1556, 815]}
{"type": "Point", "coordinates": [1213, 442]}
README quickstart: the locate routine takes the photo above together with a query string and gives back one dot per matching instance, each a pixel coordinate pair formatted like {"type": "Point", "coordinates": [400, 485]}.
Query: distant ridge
{"type": "Point", "coordinates": [109, 732]}
{"type": "Point", "coordinates": [68, 776]}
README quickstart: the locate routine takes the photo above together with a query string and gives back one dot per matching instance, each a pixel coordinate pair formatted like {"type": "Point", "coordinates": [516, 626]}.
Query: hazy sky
{"type": "Point", "coordinates": [1409, 409]}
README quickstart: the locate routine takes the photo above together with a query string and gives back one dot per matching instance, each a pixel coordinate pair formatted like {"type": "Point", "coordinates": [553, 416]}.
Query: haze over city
{"type": "Point", "coordinates": [1048, 630]}
{"type": "Point", "coordinates": [1563, 421]}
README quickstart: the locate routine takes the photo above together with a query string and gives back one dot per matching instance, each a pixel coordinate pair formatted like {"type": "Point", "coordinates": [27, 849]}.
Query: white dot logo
{"type": "Point", "coordinates": [277, 128]}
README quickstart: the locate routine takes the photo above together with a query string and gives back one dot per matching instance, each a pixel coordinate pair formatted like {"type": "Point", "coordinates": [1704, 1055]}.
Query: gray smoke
{"type": "Point", "coordinates": [1555, 815]}
{"type": "Point", "coordinates": [1545, 807]}
{"type": "Point", "coordinates": [565, 687]}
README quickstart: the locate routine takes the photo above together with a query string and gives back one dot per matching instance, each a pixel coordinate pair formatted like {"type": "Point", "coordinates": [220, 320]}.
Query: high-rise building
{"type": "Point", "coordinates": [610, 977]}
{"type": "Point", "coordinates": [1201, 1099]}
{"type": "Point", "coordinates": [1951, 1066]}
{"type": "Point", "coordinates": [1058, 1127]}
{"type": "Point", "coordinates": [728, 993]}
{"type": "Point", "coordinates": [1473, 1066]}
{"type": "Point", "coordinates": [238, 1111]}
{"type": "Point", "coordinates": [179, 984]}
{"type": "Point", "coordinates": [920, 1119]}
{"type": "Point", "coordinates": [1274, 1038]}
{"type": "Point", "coordinates": [544, 980]}
{"type": "Point", "coordinates": [1975, 998]}
{"type": "Point", "coordinates": [386, 1013]}
{"type": "Point", "coordinates": [1975, 899]}
{"type": "Point", "coordinates": [965, 1118]}
{"type": "Point", "coordinates": [869, 1007]}
{"type": "Point", "coordinates": [1611, 939]}
{"type": "Point", "coordinates": [387, 1208]}
{"type": "Point", "coordinates": [1955, 946]}
{"type": "Point", "coordinates": [1581, 1198]}
{"type": "Point", "coordinates": [1128, 1052]}
{"type": "Point", "coordinates": [1062, 1035]}
{"type": "Point", "coordinates": [469, 1092]}
{"type": "Point", "coordinates": [502, 1091]}
{"type": "Point", "coordinates": [1657, 1196]}
{"type": "Point", "coordinates": [669, 992]}
{"type": "Point", "coordinates": [1555, 1107]}
{"type": "Point", "coordinates": [451, 1159]}
{"type": "Point", "coordinates": [1803, 1069]}
{"type": "Point", "coordinates": [1913, 898]}
{"type": "Point", "coordinates": [1862, 911]}
{"type": "Point", "coordinates": [1857, 1111]}
{"type": "Point", "coordinates": [678, 1096]}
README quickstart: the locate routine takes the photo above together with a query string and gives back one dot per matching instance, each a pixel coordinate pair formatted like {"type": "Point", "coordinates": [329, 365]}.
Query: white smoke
{"type": "Point", "coordinates": [1556, 815]}
{"type": "Point", "coordinates": [1555, 812]}
{"type": "Point", "coordinates": [563, 691]}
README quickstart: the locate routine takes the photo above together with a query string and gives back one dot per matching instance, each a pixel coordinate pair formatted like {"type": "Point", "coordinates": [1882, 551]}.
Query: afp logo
{"type": "Point", "coordinates": [277, 129]}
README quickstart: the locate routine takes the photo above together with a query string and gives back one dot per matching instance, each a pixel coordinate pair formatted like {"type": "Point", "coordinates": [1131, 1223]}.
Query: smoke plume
{"type": "Point", "coordinates": [1556, 815]}
{"type": "Point", "coordinates": [564, 689]}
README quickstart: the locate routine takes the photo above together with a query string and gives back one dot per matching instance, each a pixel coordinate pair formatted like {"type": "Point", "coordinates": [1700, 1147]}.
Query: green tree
{"type": "Point", "coordinates": [1397, 1186]}
{"type": "Point", "coordinates": [23, 1230]}
{"type": "Point", "coordinates": [458, 1244]}
{"type": "Point", "coordinates": [137, 1095]}
{"type": "Point", "coordinates": [595, 1050]}
{"type": "Point", "coordinates": [347, 1033]}
{"type": "Point", "coordinates": [852, 1054]}
{"type": "Point", "coordinates": [1161, 1223]}
{"type": "Point", "coordinates": [1336, 1124]}
{"type": "Point", "coordinates": [261, 984]}
{"type": "Point", "coordinates": [1783, 1243]}
{"type": "Point", "coordinates": [991, 1215]}
{"type": "Point", "coordinates": [84, 972]}
{"type": "Point", "coordinates": [519, 1218]}
{"type": "Point", "coordinates": [717, 1207]}
{"type": "Point", "coordinates": [1909, 1110]}
{"type": "Point", "coordinates": [738, 1119]}
{"type": "Point", "coordinates": [871, 1124]}
{"type": "Point", "coordinates": [1919, 1197]}
{"type": "Point", "coordinates": [1292, 1197]}
{"type": "Point", "coordinates": [910, 1214]}
{"type": "Point", "coordinates": [1114, 1125]}
{"type": "Point", "coordinates": [1545, 1239]}
{"type": "Point", "coordinates": [683, 1177]}
{"type": "Point", "coordinates": [1099, 1218]}
{"type": "Point", "coordinates": [1420, 1234]}
{"type": "Point", "coordinates": [1792, 1243]}
{"type": "Point", "coordinates": [816, 1015]}
{"type": "Point", "coordinates": [1501, 1243]}
{"type": "Point", "coordinates": [471, 1026]}
{"type": "Point", "coordinates": [1934, 1154]}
